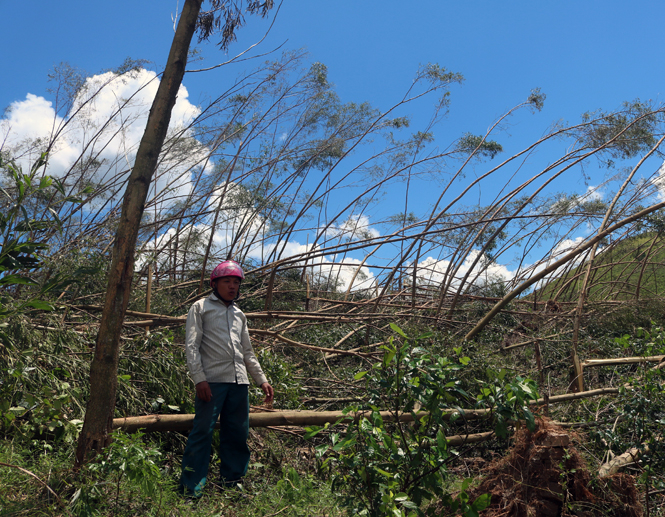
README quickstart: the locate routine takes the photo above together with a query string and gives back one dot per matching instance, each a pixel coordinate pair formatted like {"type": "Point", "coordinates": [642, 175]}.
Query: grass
{"type": "Point", "coordinates": [288, 490]}
{"type": "Point", "coordinates": [39, 367]}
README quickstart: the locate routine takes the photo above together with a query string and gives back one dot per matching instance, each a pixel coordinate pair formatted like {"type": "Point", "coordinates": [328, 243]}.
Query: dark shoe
{"type": "Point", "coordinates": [187, 494]}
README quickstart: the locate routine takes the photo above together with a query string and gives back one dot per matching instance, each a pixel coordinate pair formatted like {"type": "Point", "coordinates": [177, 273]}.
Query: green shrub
{"type": "Point", "coordinates": [387, 468]}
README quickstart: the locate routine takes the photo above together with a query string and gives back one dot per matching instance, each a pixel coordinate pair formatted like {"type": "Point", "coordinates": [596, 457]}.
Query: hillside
{"type": "Point", "coordinates": [627, 270]}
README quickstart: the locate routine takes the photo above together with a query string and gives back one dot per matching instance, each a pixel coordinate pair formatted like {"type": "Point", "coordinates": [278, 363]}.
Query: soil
{"type": "Point", "coordinates": [543, 475]}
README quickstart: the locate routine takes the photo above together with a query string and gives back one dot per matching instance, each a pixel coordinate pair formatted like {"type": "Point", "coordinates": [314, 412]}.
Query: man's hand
{"type": "Point", "coordinates": [204, 392]}
{"type": "Point", "coordinates": [269, 392]}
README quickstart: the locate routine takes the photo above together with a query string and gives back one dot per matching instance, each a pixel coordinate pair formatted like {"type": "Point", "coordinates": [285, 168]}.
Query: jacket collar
{"type": "Point", "coordinates": [215, 298]}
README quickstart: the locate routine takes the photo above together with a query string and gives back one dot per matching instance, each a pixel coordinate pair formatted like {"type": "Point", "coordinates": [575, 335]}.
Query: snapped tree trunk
{"type": "Point", "coordinates": [103, 370]}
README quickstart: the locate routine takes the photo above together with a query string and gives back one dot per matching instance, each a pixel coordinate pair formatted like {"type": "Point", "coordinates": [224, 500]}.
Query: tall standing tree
{"type": "Point", "coordinates": [225, 17]}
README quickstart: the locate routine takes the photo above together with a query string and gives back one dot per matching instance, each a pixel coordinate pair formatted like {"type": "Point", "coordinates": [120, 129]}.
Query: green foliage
{"type": "Point", "coordinates": [318, 74]}
{"type": "Point", "coordinates": [20, 252]}
{"type": "Point", "coordinates": [564, 204]}
{"type": "Point", "coordinates": [40, 393]}
{"type": "Point", "coordinates": [44, 385]}
{"type": "Point", "coordinates": [137, 475]}
{"type": "Point", "coordinates": [654, 222]}
{"type": "Point", "coordinates": [227, 18]}
{"type": "Point", "coordinates": [280, 373]}
{"type": "Point", "coordinates": [463, 504]}
{"type": "Point", "coordinates": [508, 400]}
{"type": "Point", "coordinates": [27, 225]}
{"type": "Point", "coordinates": [640, 407]}
{"type": "Point", "coordinates": [537, 99]}
{"type": "Point", "coordinates": [395, 468]}
{"type": "Point", "coordinates": [295, 491]}
{"type": "Point", "coordinates": [76, 272]}
{"type": "Point", "coordinates": [478, 145]}
{"type": "Point", "coordinates": [437, 74]}
{"type": "Point", "coordinates": [128, 458]}
{"type": "Point", "coordinates": [617, 271]}
{"type": "Point", "coordinates": [153, 375]}
{"type": "Point", "coordinates": [39, 414]}
{"type": "Point", "coordinates": [625, 133]}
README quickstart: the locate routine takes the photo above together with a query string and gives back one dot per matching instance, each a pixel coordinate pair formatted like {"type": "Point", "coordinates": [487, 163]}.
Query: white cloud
{"type": "Point", "coordinates": [31, 118]}
{"type": "Point", "coordinates": [339, 273]}
{"type": "Point", "coordinates": [191, 245]}
{"type": "Point", "coordinates": [239, 225]}
{"type": "Point", "coordinates": [330, 272]}
{"type": "Point", "coordinates": [564, 247]}
{"type": "Point", "coordinates": [105, 124]}
{"type": "Point", "coordinates": [659, 181]}
{"type": "Point", "coordinates": [593, 193]}
{"type": "Point", "coordinates": [435, 271]}
{"type": "Point", "coordinates": [558, 251]}
{"type": "Point", "coordinates": [356, 227]}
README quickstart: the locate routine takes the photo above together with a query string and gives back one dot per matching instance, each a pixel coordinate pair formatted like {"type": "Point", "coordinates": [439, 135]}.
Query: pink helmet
{"type": "Point", "coordinates": [227, 268]}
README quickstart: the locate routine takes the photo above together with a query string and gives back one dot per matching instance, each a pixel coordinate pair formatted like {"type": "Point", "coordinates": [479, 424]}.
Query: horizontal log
{"type": "Point", "coordinates": [581, 395]}
{"type": "Point", "coordinates": [135, 314]}
{"type": "Point", "coordinates": [305, 316]}
{"type": "Point", "coordinates": [462, 439]}
{"type": "Point", "coordinates": [157, 423]}
{"type": "Point", "coordinates": [287, 315]}
{"type": "Point", "coordinates": [535, 340]}
{"type": "Point", "coordinates": [184, 422]}
{"type": "Point", "coordinates": [284, 339]}
{"type": "Point", "coordinates": [326, 400]}
{"type": "Point", "coordinates": [622, 360]}
{"type": "Point", "coordinates": [155, 323]}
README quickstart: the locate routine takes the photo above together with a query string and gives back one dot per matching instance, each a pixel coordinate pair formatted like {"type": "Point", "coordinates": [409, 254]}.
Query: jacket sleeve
{"type": "Point", "coordinates": [251, 362]}
{"type": "Point", "coordinates": [194, 332]}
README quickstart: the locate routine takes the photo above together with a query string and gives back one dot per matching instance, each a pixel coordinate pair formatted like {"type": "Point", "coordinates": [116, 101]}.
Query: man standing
{"type": "Point", "coordinates": [219, 356]}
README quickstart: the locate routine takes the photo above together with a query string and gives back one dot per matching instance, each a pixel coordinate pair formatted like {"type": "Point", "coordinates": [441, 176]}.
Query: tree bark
{"type": "Point", "coordinates": [103, 370]}
{"type": "Point", "coordinates": [627, 458]}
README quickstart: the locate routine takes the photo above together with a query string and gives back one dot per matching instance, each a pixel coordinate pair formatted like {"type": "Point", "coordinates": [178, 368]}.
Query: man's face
{"type": "Point", "coordinates": [227, 287]}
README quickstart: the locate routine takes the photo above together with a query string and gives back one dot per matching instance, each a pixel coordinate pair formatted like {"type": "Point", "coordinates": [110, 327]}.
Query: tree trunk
{"type": "Point", "coordinates": [184, 422]}
{"type": "Point", "coordinates": [104, 368]}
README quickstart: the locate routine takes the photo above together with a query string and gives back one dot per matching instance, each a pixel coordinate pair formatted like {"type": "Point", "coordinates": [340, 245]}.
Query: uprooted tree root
{"type": "Point", "coordinates": [544, 476]}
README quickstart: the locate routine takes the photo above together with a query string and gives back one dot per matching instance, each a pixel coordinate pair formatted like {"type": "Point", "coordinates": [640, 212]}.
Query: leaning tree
{"type": "Point", "coordinates": [225, 17]}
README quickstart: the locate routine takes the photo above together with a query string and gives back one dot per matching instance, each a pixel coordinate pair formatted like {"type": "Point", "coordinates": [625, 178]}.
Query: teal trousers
{"type": "Point", "coordinates": [230, 402]}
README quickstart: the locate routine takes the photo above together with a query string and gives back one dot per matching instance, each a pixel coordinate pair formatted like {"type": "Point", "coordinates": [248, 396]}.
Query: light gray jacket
{"type": "Point", "coordinates": [217, 344]}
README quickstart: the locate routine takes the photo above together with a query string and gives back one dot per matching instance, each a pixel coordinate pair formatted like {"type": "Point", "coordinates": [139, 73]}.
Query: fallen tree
{"type": "Point", "coordinates": [161, 423]}
{"type": "Point", "coordinates": [157, 423]}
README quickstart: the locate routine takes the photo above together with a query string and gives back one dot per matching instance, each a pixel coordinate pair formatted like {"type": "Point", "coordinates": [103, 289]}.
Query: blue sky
{"type": "Point", "coordinates": [584, 55]}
